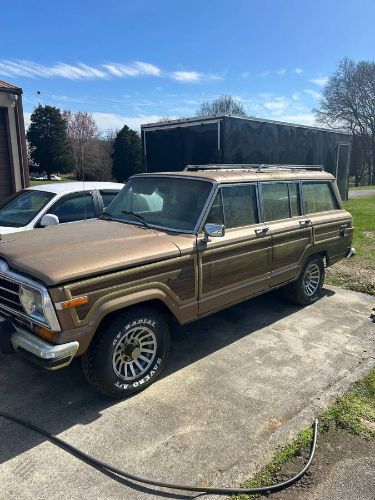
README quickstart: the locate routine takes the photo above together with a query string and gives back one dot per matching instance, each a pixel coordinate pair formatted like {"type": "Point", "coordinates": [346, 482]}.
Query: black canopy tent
{"type": "Point", "coordinates": [170, 146]}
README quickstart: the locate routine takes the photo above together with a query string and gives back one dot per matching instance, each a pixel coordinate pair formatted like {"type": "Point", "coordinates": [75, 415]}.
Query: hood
{"type": "Point", "coordinates": [68, 252]}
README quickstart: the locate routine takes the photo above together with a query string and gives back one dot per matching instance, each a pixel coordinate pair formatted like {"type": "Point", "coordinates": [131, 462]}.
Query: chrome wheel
{"type": "Point", "coordinates": [311, 279]}
{"type": "Point", "coordinates": [134, 353]}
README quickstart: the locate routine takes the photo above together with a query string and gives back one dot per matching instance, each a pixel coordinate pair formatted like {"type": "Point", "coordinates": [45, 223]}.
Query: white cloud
{"type": "Point", "coordinates": [299, 71]}
{"type": "Point", "coordinates": [113, 121]}
{"type": "Point", "coordinates": [321, 81]}
{"type": "Point", "coordinates": [81, 71]}
{"type": "Point", "coordinates": [277, 105]}
{"type": "Point", "coordinates": [186, 76]}
{"type": "Point", "coordinates": [281, 71]}
{"type": "Point", "coordinates": [31, 69]}
{"type": "Point", "coordinates": [263, 73]}
{"type": "Point", "coordinates": [295, 96]}
{"type": "Point", "coordinates": [138, 68]}
{"type": "Point", "coordinates": [193, 76]}
{"type": "Point", "coordinates": [313, 93]}
{"type": "Point", "coordinates": [298, 118]}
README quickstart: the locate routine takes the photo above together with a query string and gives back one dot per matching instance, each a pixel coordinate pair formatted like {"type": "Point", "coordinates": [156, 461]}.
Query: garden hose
{"type": "Point", "coordinates": [102, 466]}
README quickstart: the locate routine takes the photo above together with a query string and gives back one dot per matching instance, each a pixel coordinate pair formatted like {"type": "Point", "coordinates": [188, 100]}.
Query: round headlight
{"type": "Point", "coordinates": [31, 301]}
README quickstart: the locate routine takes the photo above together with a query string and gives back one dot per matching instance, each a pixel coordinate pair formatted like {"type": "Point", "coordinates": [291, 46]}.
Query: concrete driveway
{"type": "Point", "coordinates": [238, 384]}
{"type": "Point", "coordinates": [360, 193]}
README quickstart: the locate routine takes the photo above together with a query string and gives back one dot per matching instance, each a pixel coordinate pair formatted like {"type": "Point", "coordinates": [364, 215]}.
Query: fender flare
{"type": "Point", "coordinates": [139, 297]}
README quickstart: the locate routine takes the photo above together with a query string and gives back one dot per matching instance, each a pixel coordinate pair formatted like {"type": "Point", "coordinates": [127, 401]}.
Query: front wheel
{"type": "Point", "coordinates": [128, 353]}
{"type": "Point", "coordinates": [308, 286]}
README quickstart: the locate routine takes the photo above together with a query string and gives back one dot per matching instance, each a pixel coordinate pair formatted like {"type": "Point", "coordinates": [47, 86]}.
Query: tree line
{"type": "Point", "coordinates": [64, 142]}
{"type": "Point", "coordinates": [67, 142]}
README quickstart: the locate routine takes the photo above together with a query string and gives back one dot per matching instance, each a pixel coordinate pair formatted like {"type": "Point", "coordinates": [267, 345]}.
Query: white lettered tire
{"type": "Point", "coordinates": [128, 353]}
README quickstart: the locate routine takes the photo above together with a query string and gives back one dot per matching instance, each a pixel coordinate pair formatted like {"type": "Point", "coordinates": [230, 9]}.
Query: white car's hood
{"type": "Point", "coordinates": [7, 230]}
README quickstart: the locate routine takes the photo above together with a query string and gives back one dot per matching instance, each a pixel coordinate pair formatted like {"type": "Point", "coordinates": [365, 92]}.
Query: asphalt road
{"type": "Point", "coordinates": [360, 193]}
{"type": "Point", "coordinates": [238, 384]}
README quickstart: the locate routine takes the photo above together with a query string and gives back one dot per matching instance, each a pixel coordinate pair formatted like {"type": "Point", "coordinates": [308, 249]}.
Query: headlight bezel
{"type": "Point", "coordinates": [32, 303]}
{"type": "Point", "coordinates": [44, 314]}
{"type": "Point", "coordinates": [50, 320]}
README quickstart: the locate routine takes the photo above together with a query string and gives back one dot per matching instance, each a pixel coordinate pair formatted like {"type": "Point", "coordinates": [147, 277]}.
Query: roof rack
{"type": "Point", "coordinates": [256, 167]}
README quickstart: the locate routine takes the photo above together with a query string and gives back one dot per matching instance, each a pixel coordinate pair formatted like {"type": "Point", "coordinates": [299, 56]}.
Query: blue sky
{"type": "Point", "coordinates": [133, 61]}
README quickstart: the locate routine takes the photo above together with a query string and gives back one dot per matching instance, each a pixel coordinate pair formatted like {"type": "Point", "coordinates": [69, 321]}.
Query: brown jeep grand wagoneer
{"type": "Point", "coordinates": [181, 245]}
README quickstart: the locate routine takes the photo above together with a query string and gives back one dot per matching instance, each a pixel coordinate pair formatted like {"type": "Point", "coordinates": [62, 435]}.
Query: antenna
{"type": "Point", "coordinates": [83, 186]}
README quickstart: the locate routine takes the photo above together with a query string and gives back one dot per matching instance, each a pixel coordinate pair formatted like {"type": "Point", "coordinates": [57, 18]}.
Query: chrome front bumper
{"type": "Point", "coordinates": [34, 349]}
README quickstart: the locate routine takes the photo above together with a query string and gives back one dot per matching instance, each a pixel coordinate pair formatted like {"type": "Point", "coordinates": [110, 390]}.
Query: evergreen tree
{"type": "Point", "coordinates": [126, 154]}
{"type": "Point", "coordinates": [50, 151]}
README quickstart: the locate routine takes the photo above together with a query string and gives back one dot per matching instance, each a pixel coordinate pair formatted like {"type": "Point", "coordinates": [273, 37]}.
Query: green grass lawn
{"type": "Point", "coordinates": [358, 273]}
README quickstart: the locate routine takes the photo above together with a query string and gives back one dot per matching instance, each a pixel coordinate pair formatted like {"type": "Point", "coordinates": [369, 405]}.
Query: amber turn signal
{"type": "Point", "coordinates": [68, 304]}
{"type": "Point", "coordinates": [44, 332]}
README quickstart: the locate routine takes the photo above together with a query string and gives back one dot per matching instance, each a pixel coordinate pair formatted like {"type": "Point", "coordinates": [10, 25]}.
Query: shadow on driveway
{"type": "Point", "coordinates": [59, 400]}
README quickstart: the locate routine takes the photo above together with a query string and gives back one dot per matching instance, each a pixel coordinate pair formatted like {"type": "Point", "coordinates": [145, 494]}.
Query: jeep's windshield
{"type": "Point", "coordinates": [21, 209]}
{"type": "Point", "coordinates": [166, 202]}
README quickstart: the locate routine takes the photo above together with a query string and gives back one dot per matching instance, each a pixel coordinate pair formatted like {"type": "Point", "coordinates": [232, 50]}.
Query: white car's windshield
{"type": "Point", "coordinates": [166, 202]}
{"type": "Point", "coordinates": [23, 207]}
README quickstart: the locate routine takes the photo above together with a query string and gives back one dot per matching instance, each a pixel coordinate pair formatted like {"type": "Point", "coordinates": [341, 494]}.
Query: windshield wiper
{"type": "Point", "coordinates": [106, 217]}
{"type": "Point", "coordinates": [137, 216]}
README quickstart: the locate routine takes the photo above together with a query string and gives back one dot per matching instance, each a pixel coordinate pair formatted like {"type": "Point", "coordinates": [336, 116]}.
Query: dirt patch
{"type": "Point", "coordinates": [353, 274]}
{"type": "Point", "coordinates": [335, 471]}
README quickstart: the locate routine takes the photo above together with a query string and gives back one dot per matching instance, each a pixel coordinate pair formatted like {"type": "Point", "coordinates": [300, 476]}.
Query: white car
{"type": "Point", "coordinates": [55, 177]}
{"type": "Point", "coordinates": [50, 204]}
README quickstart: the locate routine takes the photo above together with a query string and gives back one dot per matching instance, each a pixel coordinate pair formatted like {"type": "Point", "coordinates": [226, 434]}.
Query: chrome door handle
{"type": "Point", "coordinates": [304, 222]}
{"type": "Point", "coordinates": [260, 232]}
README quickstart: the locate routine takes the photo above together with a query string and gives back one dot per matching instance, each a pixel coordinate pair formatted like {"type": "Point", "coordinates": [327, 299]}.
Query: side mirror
{"type": "Point", "coordinates": [49, 220]}
{"type": "Point", "coordinates": [213, 231]}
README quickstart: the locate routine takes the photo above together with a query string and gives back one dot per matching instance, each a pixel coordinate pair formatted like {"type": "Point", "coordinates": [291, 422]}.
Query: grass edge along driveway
{"type": "Point", "coordinates": [358, 273]}
{"type": "Point", "coordinates": [354, 412]}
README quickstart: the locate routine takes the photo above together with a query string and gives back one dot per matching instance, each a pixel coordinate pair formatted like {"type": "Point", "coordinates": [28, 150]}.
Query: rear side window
{"type": "Point", "coordinates": [317, 197]}
{"type": "Point", "coordinates": [74, 207]}
{"type": "Point", "coordinates": [280, 200]}
{"type": "Point", "coordinates": [235, 206]}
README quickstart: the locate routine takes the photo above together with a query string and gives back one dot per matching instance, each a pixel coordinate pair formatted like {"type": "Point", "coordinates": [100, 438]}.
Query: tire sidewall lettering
{"type": "Point", "coordinates": [143, 321]}
{"type": "Point", "coordinates": [146, 379]}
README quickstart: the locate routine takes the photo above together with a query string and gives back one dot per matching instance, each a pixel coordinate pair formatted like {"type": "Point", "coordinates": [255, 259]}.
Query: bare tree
{"type": "Point", "coordinates": [223, 105]}
{"type": "Point", "coordinates": [83, 134]}
{"type": "Point", "coordinates": [348, 103]}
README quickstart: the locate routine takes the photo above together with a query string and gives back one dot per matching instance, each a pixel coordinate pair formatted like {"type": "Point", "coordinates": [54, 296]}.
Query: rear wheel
{"type": "Point", "coordinates": [128, 353]}
{"type": "Point", "coordinates": [307, 288]}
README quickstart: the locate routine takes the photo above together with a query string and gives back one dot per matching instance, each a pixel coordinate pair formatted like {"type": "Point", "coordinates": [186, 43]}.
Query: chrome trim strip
{"type": "Point", "coordinates": [11, 301]}
{"type": "Point", "coordinates": [49, 311]}
{"type": "Point", "coordinates": [9, 291]}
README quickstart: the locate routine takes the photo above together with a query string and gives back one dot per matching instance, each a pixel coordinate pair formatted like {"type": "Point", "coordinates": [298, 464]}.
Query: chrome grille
{"type": "Point", "coordinates": [9, 295]}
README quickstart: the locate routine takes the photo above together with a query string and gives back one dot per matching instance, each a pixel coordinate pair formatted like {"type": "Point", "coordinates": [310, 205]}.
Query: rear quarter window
{"type": "Point", "coordinates": [280, 200]}
{"type": "Point", "coordinates": [318, 197]}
